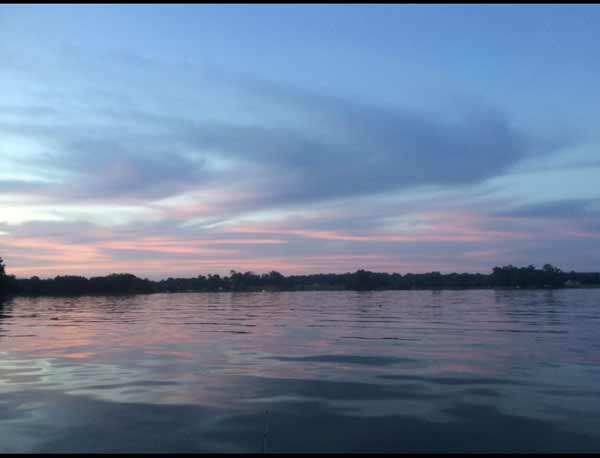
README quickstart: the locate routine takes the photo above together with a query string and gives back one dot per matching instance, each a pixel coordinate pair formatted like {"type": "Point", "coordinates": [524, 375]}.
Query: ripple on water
{"type": "Point", "coordinates": [477, 370]}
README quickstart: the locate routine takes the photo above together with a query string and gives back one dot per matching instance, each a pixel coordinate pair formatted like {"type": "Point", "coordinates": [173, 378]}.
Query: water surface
{"type": "Point", "coordinates": [318, 371]}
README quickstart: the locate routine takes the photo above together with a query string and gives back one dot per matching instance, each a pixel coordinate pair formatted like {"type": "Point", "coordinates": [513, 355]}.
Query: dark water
{"type": "Point", "coordinates": [342, 371]}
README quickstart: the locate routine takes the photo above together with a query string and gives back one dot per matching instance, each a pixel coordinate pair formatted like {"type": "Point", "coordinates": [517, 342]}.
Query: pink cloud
{"type": "Point", "coordinates": [474, 241]}
{"type": "Point", "coordinates": [440, 227]}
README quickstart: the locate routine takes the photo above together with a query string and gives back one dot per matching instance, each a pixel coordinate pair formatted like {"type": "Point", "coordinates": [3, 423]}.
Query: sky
{"type": "Point", "coordinates": [179, 140]}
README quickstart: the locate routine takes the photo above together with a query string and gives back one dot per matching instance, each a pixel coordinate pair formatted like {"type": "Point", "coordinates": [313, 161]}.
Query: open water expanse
{"type": "Point", "coordinates": [302, 371]}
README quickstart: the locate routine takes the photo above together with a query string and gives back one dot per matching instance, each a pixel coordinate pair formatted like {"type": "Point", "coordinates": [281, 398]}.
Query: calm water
{"type": "Point", "coordinates": [341, 371]}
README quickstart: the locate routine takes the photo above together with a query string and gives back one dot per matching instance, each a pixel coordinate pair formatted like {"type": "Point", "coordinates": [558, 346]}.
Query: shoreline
{"type": "Point", "coordinates": [149, 293]}
{"type": "Point", "coordinates": [119, 284]}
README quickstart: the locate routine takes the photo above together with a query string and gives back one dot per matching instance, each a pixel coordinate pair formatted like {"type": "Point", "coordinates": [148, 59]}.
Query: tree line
{"type": "Point", "coordinates": [362, 280]}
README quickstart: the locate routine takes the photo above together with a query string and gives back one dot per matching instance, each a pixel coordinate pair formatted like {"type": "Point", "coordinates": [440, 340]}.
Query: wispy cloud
{"type": "Point", "coordinates": [213, 159]}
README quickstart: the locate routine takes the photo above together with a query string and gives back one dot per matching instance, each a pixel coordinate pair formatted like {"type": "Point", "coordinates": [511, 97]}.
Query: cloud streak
{"type": "Point", "coordinates": [214, 181]}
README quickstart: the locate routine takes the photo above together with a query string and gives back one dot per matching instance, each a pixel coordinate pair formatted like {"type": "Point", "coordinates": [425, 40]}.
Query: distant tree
{"type": "Point", "coordinates": [6, 281]}
{"type": "Point", "coordinates": [553, 276]}
{"type": "Point", "coordinates": [362, 280]}
{"type": "Point", "coordinates": [237, 280]}
{"type": "Point", "coordinates": [273, 280]}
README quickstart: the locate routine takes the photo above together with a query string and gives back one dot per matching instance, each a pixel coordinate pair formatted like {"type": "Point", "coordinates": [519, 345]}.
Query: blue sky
{"type": "Point", "coordinates": [177, 140]}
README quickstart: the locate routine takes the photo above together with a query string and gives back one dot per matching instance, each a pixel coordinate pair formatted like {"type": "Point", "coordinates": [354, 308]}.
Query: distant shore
{"type": "Point", "coordinates": [501, 278]}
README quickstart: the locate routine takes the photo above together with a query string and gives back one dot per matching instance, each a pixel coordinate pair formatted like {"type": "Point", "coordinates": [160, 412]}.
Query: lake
{"type": "Point", "coordinates": [403, 371]}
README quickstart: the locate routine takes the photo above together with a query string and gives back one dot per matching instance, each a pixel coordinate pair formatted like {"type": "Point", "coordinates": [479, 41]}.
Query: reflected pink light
{"type": "Point", "coordinates": [79, 355]}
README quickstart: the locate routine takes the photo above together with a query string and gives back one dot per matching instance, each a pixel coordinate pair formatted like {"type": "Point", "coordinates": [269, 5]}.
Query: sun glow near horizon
{"type": "Point", "coordinates": [147, 152]}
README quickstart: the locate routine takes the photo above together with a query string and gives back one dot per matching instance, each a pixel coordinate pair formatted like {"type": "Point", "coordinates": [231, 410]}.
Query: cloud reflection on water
{"type": "Point", "coordinates": [478, 370]}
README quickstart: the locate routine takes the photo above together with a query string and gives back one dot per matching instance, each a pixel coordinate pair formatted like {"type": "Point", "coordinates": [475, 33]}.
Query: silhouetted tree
{"type": "Point", "coordinates": [7, 282]}
{"type": "Point", "coordinates": [273, 280]}
{"type": "Point", "coordinates": [361, 280]}
{"type": "Point", "coordinates": [2, 277]}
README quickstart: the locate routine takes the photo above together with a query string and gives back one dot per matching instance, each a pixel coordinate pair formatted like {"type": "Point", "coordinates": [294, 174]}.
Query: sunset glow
{"type": "Point", "coordinates": [164, 156]}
